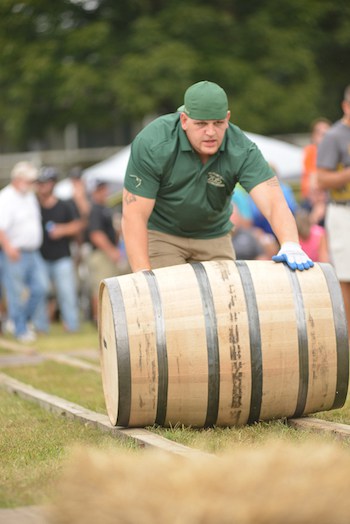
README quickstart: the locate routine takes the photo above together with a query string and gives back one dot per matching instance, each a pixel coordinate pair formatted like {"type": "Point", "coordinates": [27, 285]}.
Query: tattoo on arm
{"type": "Point", "coordinates": [273, 182]}
{"type": "Point", "coordinates": [129, 198]}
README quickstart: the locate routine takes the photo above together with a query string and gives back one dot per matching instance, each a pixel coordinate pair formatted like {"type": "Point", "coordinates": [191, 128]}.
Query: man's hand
{"type": "Point", "coordinates": [294, 256]}
{"type": "Point", "coordinates": [12, 253]}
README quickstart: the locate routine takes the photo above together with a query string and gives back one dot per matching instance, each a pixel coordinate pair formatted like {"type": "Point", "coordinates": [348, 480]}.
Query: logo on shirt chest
{"type": "Point", "coordinates": [214, 179]}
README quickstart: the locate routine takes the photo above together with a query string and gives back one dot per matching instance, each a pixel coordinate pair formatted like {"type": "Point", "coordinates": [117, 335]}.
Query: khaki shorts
{"type": "Point", "coordinates": [338, 229]}
{"type": "Point", "coordinates": [170, 250]}
{"type": "Point", "coordinates": [99, 267]}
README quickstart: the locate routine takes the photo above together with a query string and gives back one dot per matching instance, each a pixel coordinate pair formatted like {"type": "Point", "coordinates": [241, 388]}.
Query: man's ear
{"type": "Point", "coordinates": [183, 119]}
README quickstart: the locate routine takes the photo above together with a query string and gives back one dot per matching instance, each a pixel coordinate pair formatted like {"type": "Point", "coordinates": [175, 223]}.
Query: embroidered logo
{"type": "Point", "coordinates": [138, 181]}
{"type": "Point", "coordinates": [215, 179]}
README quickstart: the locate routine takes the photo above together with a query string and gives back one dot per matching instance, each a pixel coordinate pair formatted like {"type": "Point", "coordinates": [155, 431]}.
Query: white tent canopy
{"type": "Point", "coordinates": [285, 157]}
{"type": "Point", "coordinates": [110, 170]}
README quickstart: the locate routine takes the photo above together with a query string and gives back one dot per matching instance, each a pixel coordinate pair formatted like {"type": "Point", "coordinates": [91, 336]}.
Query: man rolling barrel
{"type": "Point", "coordinates": [179, 181]}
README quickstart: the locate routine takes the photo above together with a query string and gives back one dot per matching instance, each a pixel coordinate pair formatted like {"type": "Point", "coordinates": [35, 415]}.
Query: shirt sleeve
{"type": "Point", "coordinates": [95, 220]}
{"type": "Point", "coordinates": [141, 176]}
{"type": "Point", "coordinates": [327, 153]}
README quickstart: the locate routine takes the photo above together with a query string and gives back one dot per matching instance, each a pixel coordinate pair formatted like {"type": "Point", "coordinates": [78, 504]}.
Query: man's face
{"type": "Point", "coordinates": [23, 186]}
{"type": "Point", "coordinates": [319, 131]}
{"type": "Point", "coordinates": [205, 136]}
{"type": "Point", "coordinates": [45, 189]}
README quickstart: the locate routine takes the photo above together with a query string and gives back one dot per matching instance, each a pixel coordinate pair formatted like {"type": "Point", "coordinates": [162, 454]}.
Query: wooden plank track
{"type": "Point", "coordinates": [142, 437]}
{"type": "Point", "coordinates": [35, 357]}
{"type": "Point", "coordinates": [341, 431]}
{"type": "Point", "coordinates": [71, 361]}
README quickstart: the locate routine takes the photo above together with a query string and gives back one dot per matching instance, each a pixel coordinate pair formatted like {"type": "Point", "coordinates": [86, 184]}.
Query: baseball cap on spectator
{"type": "Point", "coordinates": [47, 174]}
{"type": "Point", "coordinates": [75, 173]}
{"type": "Point", "coordinates": [95, 183]}
{"type": "Point", "coordinates": [205, 101]}
{"type": "Point", "coordinates": [24, 170]}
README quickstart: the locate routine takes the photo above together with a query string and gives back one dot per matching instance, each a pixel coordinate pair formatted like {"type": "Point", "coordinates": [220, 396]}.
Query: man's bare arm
{"type": "Point", "coordinates": [327, 179]}
{"type": "Point", "coordinates": [12, 252]}
{"type": "Point", "coordinates": [136, 212]}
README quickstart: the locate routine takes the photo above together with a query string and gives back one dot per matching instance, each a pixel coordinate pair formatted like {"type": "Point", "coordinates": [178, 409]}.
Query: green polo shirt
{"type": "Point", "coordinates": [192, 200]}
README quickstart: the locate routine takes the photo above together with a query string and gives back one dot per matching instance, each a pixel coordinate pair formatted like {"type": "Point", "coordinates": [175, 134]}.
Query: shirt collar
{"type": "Point", "coordinates": [185, 144]}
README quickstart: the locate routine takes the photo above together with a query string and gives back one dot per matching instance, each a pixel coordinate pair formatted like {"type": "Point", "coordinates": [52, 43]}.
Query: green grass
{"type": "Point", "coordinates": [34, 442]}
{"type": "Point", "coordinates": [76, 385]}
{"type": "Point", "coordinates": [342, 415]}
{"type": "Point", "coordinates": [5, 352]}
{"type": "Point", "coordinates": [220, 440]}
{"type": "Point", "coordinates": [58, 340]}
{"type": "Point", "coordinates": [33, 446]}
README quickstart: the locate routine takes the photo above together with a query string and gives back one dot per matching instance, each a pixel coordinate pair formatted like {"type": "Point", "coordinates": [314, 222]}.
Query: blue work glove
{"type": "Point", "coordinates": [292, 254]}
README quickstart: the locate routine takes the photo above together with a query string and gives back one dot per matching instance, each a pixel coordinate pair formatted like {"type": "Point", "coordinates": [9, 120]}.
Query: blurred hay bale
{"type": "Point", "coordinates": [272, 484]}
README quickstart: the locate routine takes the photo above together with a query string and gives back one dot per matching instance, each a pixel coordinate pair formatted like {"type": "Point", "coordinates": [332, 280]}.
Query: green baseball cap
{"type": "Point", "coordinates": [205, 101]}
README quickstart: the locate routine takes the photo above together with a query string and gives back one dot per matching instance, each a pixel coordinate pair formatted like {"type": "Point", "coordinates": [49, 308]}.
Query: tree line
{"type": "Point", "coordinates": [98, 63]}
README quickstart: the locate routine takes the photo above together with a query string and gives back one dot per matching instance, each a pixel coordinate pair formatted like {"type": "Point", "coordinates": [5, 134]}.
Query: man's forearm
{"type": "Point", "coordinates": [284, 226]}
{"type": "Point", "coordinates": [12, 252]}
{"type": "Point", "coordinates": [136, 244]}
{"type": "Point", "coordinates": [5, 244]}
{"type": "Point", "coordinates": [327, 179]}
{"type": "Point", "coordinates": [101, 241]}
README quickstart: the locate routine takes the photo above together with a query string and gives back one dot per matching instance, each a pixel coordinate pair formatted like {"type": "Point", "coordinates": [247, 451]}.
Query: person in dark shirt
{"type": "Point", "coordinates": [60, 224]}
{"type": "Point", "coordinates": [105, 256]}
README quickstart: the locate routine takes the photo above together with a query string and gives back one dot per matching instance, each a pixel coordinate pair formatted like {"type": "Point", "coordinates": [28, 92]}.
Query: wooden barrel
{"type": "Point", "coordinates": [222, 343]}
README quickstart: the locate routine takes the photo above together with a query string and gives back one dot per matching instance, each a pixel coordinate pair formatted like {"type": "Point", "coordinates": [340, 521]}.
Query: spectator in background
{"type": "Point", "coordinates": [313, 198]}
{"type": "Point", "coordinates": [60, 223]}
{"type": "Point", "coordinates": [261, 225]}
{"type": "Point", "coordinates": [259, 219]}
{"type": "Point", "coordinates": [79, 198]}
{"type": "Point", "coordinates": [80, 247]}
{"type": "Point", "coordinates": [105, 256]}
{"type": "Point", "coordinates": [20, 238]}
{"type": "Point", "coordinates": [242, 216]}
{"type": "Point", "coordinates": [81, 204]}
{"type": "Point", "coordinates": [312, 237]}
{"type": "Point", "coordinates": [245, 241]}
{"type": "Point", "coordinates": [333, 175]}
{"type": "Point", "coordinates": [316, 205]}
{"type": "Point", "coordinates": [308, 178]}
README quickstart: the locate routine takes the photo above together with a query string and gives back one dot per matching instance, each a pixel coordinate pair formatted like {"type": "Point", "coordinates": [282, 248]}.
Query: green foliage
{"type": "Point", "coordinates": [100, 62]}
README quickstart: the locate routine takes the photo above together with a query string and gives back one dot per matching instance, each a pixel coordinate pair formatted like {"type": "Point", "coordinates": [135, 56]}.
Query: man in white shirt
{"type": "Point", "coordinates": [21, 235]}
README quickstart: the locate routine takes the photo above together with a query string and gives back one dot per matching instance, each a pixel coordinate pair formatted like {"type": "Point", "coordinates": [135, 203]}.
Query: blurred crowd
{"type": "Point", "coordinates": [253, 237]}
{"type": "Point", "coordinates": [55, 252]}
